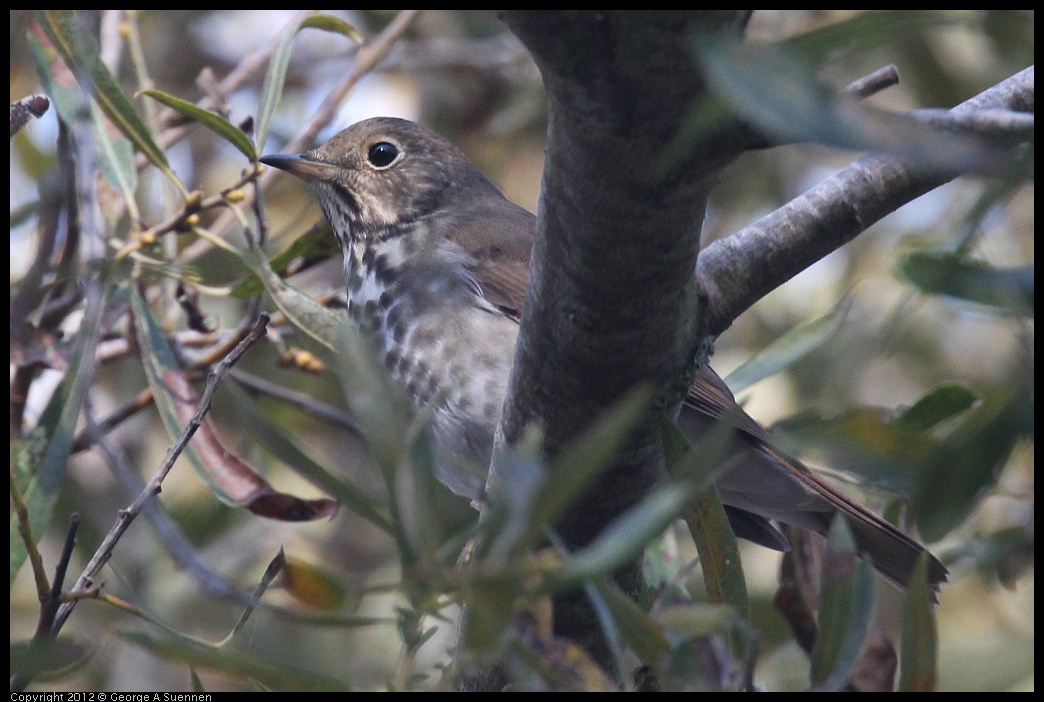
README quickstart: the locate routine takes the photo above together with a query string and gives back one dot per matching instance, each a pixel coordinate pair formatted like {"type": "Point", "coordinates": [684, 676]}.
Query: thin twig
{"type": "Point", "coordinates": [87, 437]}
{"type": "Point", "coordinates": [180, 549]}
{"type": "Point", "coordinates": [184, 216]}
{"type": "Point", "coordinates": [369, 55]}
{"type": "Point", "coordinates": [1009, 125]}
{"type": "Point", "coordinates": [873, 83]}
{"type": "Point", "coordinates": [25, 531]}
{"type": "Point", "coordinates": [301, 400]}
{"type": "Point", "coordinates": [153, 487]}
{"type": "Point", "coordinates": [186, 557]}
{"type": "Point", "coordinates": [49, 609]}
{"type": "Point", "coordinates": [220, 345]}
{"type": "Point", "coordinates": [50, 598]}
{"type": "Point", "coordinates": [246, 68]}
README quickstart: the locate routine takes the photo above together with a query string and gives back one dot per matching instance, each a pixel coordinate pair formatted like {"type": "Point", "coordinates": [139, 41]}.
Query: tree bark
{"type": "Point", "coordinates": [612, 299]}
{"type": "Point", "coordinates": [737, 271]}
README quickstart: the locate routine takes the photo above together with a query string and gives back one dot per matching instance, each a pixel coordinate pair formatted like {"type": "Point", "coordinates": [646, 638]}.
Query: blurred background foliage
{"type": "Point", "coordinates": [463, 74]}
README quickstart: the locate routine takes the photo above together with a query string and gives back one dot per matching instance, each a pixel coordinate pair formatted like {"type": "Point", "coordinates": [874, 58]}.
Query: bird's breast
{"type": "Point", "coordinates": [439, 339]}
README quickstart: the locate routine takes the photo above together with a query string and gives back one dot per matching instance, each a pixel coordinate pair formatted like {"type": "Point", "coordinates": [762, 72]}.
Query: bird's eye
{"type": "Point", "coordinates": [382, 154]}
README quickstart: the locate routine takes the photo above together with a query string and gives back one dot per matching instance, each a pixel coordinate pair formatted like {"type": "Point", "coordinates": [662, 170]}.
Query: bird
{"type": "Point", "coordinates": [436, 262]}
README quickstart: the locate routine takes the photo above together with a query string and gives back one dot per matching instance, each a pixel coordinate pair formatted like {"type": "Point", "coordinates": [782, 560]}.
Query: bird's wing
{"type": "Point", "coordinates": [497, 236]}
{"type": "Point", "coordinates": [710, 396]}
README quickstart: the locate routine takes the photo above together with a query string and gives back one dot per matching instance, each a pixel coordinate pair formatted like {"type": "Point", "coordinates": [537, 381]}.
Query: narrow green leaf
{"type": "Point", "coordinates": [917, 661]}
{"type": "Point", "coordinates": [80, 53]}
{"type": "Point", "coordinates": [233, 480]}
{"type": "Point", "coordinates": [311, 584]}
{"type": "Point", "coordinates": [783, 96]}
{"type": "Point", "coordinates": [321, 323]}
{"type": "Point", "coordinates": [708, 524]}
{"type": "Point", "coordinates": [317, 244]}
{"type": "Point", "coordinates": [718, 551]}
{"type": "Point", "coordinates": [211, 120]}
{"type": "Point", "coordinates": [994, 195]}
{"type": "Point", "coordinates": [520, 474]}
{"type": "Point", "coordinates": [117, 159]}
{"type": "Point", "coordinates": [846, 612]}
{"type": "Point", "coordinates": [688, 620]}
{"type": "Point", "coordinates": [1006, 290]}
{"type": "Point", "coordinates": [274, 439]}
{"type": "Point", "coordinates": [859, 34]}
{"type": "Point", "coordinates": [272, 90]}
{"type": "Point", "coordinates": [415, 489]}
{"type": "Point", "coordinates": [39, 463]}
{"type": "Point", "coordinates": [491, 603]}
{"type": "Point", "coordinates": [940, 403]}
{"type": "Point", "coordinates": [275, 566]}
{"type": "Point", "coordinates": [115, 153]}
{"type": "Point", "coordinates": [584, 458]}
{"type": "Point", "coordinates": [410, 624]}
{"type": "Point", "coordinates": [25, 455]}
{"type": "Point", "coordinates": [157, 358]}
{"type": "Point", "coordinates": [636, 629]}
{"type": "Point", "coordinates": [968, 462]}
{"type": "Point", "coordinates": [379, 406]}
{"type": "Point", "coordinates": [386, 421]}
{"type": "Point", "coordinates": [50, 659]}
{"type": "Point", "coordinates": [868, 443]}
{"type": "Point", "coordinates": [528, 497]}
{"type": "Point", "coordinates": [251, 665]}
{"type": "Point", "coordinates": [626, 536]}
{"type": "Point", "coordinates": [789, 348]}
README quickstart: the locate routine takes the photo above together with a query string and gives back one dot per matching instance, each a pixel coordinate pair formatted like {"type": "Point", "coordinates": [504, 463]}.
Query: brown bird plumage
{"type": "Point", "coordinates": [436, 261]}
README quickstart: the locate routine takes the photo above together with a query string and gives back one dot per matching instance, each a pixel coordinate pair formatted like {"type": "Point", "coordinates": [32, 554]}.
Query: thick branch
{"type": "Point", "coordinates": [739, 270]}
{"type": "Point", "coordinates": [611, 296]}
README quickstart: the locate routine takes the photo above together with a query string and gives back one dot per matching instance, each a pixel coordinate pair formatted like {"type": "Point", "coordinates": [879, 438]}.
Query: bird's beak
{"type": "Point", "coordinates": [300, 166]}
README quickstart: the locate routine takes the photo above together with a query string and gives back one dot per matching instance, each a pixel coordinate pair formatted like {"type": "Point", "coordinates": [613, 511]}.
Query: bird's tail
{"type": "Point", "coordinates": [892, 553]}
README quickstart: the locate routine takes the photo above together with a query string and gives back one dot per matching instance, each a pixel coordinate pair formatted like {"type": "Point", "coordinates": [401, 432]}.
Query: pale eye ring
{"type": "Point", "coordinates": [382, 154]}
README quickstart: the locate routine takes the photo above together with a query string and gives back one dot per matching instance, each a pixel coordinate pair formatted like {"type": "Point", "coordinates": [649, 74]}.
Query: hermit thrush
{"type": "Point", "coordinates": [436, 260]}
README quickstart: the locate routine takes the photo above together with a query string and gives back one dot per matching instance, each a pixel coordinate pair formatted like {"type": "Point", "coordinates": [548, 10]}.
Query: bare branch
{"type": "Point", "coordinates": [739, 270]}
{"type": "Point", "coordinates": [45, 627]}
{"type": "Point", "coordinates": [51, 597]}
{"type": "Point", "coordinates": [1006, 124]}
{"type": "Point", "coordinates": [873, 83]}
{"type": "Point", "coordinates": [152, 488]}
{"type": "Point", "coordinates": [301, 400]}
{"type": "Point", "coordinates": [90, 435]}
